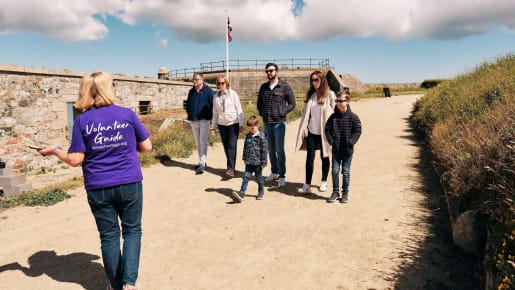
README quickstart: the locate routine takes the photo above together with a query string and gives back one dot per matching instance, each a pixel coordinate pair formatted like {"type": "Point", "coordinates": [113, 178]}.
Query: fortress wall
{"type": "Point", "coordinates": [36, 105]}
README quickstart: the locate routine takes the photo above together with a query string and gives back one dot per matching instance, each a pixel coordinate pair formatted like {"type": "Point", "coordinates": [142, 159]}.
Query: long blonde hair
{"type": "Point", "coordinates": [96, 89]}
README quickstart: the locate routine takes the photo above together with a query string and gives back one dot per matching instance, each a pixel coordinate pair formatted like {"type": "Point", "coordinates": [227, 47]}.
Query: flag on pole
{"type": "Point", "coordinates": [229, 29]}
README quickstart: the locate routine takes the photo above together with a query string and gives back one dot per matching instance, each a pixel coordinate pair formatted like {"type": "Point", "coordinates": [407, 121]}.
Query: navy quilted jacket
{"type": "Point", "coordinates": [343, 131]}
{"type": "Point", "coordinates": [273, 105]}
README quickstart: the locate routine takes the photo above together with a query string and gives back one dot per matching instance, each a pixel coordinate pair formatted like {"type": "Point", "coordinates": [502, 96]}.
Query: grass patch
{"type": "Point", "coordinates": [469, 123]}
{"type": "Point", "coordinates": [42, 197]}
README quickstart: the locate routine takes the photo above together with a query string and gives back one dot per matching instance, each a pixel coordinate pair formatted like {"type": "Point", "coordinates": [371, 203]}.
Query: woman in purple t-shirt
{"type": "Point", "coordinates": [105, 141]}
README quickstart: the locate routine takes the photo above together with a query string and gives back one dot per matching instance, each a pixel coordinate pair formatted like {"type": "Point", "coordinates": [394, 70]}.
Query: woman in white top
{"type": "Point", "coordinates": [319, 105]}
{"type": "Point", "coordinates": [228, 117]}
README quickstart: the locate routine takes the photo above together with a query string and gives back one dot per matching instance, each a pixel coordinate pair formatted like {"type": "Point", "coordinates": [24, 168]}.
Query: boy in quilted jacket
{"type": "Point", "coordinates": [254, 156]}
{"type": "Point", "coordinates": [342, 130]}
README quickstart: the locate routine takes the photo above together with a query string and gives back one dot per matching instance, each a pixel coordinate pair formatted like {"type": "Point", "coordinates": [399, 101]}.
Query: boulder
{"type": "Point", "coordinates": [468, 234]}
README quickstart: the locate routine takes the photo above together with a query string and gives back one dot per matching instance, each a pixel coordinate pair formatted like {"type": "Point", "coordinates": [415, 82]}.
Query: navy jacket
{"type": "Point", "coordinates": [200, 104]}
{"type": "Point", "coordinates": [273, 105]}
{"type": "Point", "coordinates": [342, 131]}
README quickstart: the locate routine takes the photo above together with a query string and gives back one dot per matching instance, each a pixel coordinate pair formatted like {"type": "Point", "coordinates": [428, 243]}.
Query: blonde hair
{"type": "Point", "coordinates": [96, 90]}
{"type": "Point", "coordinates": [223, 79]}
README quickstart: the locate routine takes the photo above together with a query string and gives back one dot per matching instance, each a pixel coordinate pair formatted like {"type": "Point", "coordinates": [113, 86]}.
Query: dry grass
{"type": "Point", "coordinates": [470, 125]}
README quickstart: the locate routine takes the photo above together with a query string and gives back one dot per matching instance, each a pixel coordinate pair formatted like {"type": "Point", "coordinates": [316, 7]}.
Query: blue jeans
{"type": "Point", "coordinates": [275, 134]}
{"type": "Point", "coordinates": [256, 169]}
{"type": "Point", "coordinates": [107, 205]}
{"type": "Point", "coordinates": [344, 162]}
{"type": "Point", "coordinates": [200, 131]}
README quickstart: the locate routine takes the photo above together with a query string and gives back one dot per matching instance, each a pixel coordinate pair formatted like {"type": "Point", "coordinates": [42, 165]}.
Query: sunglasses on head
{"type": "Point", "coordinates": [340, 101]}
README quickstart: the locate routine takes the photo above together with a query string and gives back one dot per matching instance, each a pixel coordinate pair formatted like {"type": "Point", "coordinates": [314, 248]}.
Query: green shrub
{"type": "Point", "coordinates": [427, 84]}
{"type": "Point", "coordinates": [33, 198]}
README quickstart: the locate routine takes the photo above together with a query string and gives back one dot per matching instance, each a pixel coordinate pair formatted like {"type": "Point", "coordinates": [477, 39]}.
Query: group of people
{"type": "Point", "coordinates": [106, 138]}
{"type": "Point", "coordinates": [327, 124]}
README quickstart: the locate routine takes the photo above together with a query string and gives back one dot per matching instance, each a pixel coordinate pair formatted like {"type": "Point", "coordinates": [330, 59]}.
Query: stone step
{"type": "Point", "coordinates": [17, 189]}
{"type": "Point", "coordinates": [12, 180]}
{"type": "Point", "coordinates": [6, 171]}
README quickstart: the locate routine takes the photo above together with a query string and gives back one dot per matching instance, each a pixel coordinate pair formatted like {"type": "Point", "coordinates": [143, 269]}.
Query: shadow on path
{"type": "Point", "coordinates": [77, 268]}
{"type": "Point", "coordinates": [436, 263]}
{"type": "Point", "coordinates": [166, 161]}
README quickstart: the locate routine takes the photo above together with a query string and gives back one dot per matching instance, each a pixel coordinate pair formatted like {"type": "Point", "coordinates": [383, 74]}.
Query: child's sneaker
{"type": "Point", "coordinates": [238, 196]}
{"type": "Point", "coordinates": [260, 195]}
{"type": "Point", "coordinates": [345, 197]}
{"type": "Point", "coordinates": [334, 197]}
{"type": "Point", "coordinates": [306, 188]}
{"type": "Point", "coordinates": [282, 182]}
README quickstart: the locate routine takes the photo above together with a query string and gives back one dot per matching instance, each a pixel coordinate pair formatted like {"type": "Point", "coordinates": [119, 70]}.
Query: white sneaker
{"type": "Point", "coordinates": [306, 188]}
{"type": "Point", "coordinates": [282, 182]}
{"type": "Point", "coordinates": [323, 186]}
{"type": "Point", "coordinates": [271, 177]}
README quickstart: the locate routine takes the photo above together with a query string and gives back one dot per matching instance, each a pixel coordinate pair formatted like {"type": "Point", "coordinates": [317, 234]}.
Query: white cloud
{"type": "Point", "coordinates": [163, 42]}
{"type": "Point", "coordinates": [261, 20]}
{"type": "Point", "coordinates": [61, 19]}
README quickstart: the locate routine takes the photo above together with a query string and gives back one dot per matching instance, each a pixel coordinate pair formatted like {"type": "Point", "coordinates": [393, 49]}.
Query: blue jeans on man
{"type": "Point", "coordinates": [275, 134]}
{"type": "Point", "coordinates": [344, 162]}
{"type": "Point", "coordinates": [107, 205]}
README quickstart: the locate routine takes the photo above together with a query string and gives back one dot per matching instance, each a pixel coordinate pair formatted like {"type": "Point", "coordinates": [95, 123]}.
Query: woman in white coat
{"type": "Point", "coordinates": [228, 117]}
{"type": "Point", "coordinates": [318, 106]}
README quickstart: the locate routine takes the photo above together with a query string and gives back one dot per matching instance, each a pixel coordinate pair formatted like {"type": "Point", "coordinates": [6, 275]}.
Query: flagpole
{"type": "Point", "coordinates": [227, 27]}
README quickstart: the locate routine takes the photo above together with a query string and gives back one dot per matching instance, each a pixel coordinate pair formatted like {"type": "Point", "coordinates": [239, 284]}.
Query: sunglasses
{"type": "Point", "coordinates": [269, 71]}
{"type": "Point", "coordinates": [315, 80]}
{"type": "Point", "coordinates": [340, 101]}
{"type": "Point", "coordinates": [221, 83]}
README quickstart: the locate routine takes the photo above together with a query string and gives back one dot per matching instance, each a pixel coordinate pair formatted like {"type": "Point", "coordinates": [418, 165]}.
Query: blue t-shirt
{"type": "Point", "coordinates": [108, 136]}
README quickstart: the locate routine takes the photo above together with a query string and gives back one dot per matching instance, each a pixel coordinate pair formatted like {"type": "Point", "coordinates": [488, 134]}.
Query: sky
{"type": "Point", "coordinates": [374, 40]}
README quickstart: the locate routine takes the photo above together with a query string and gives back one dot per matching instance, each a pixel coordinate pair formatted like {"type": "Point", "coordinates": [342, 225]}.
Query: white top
{"type": "Point", "coordinates": [227, 109]}
{"type": "Point", "coordinates": [315, 118]}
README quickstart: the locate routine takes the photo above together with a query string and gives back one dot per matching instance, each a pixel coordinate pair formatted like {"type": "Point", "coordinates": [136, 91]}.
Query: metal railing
{"type": "Point", "coordinates": [250, 64]}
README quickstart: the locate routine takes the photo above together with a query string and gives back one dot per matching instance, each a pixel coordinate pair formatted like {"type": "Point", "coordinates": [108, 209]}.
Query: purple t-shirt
{"type": "Point", "coordinates": [108, 136]}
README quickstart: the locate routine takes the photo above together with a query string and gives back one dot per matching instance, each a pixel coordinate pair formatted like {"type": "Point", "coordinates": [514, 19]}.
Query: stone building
{"type": "Point", "coordinates": [36, 105]}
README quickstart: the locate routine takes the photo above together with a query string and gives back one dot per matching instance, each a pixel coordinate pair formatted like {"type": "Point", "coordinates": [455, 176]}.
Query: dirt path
{"type": "Point", "coordinates": [196, 238]}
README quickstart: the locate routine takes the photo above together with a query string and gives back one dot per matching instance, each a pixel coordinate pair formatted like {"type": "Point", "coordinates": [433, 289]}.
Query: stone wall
{"type": "Point", "coordinates": [36, 106]}
{"type": "Point", "coordinates": [246, 82]}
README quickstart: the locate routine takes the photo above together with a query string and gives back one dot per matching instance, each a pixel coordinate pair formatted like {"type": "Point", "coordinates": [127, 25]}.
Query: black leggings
{"type": "Point", "coordinates": [314, 142]}
{"type": "Point", "coordinates": [229, 135]}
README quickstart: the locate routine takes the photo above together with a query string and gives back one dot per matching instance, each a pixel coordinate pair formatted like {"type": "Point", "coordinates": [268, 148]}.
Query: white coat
{"type": "Point", "coordinates": [327, 110]}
